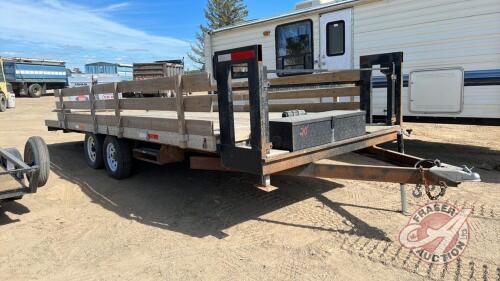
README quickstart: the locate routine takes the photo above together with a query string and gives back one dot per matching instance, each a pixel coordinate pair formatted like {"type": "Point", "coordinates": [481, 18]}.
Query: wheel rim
{"type": "Point", "coordinates": [91, 150]}
{"type": "Point", "coordinates": [111, 157]}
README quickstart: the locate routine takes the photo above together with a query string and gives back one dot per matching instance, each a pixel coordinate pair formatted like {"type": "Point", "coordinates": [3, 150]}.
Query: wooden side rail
{"type": "Point", "coordinates": [74, 114]}
{"type": "Point", "coordinates": [296, 92]}
{"type": "Point", "coordinates": [353, 91]}
{"type": "Point", "coordinates": [191, 104]}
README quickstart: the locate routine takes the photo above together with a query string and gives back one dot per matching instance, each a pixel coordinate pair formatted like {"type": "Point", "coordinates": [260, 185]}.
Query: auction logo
{"type": "Point", "coordinates": [437, 232]}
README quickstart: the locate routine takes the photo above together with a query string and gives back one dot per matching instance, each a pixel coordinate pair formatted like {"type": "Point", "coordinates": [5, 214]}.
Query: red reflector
{"type": "Point", "coordinates": [243, 55]}
{"type": "Point", "coordinates": [153, 137]}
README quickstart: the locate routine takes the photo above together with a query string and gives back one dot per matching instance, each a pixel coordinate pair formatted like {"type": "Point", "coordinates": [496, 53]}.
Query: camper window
{"type": "Point", "coordinates": [335, 38]}
{"type": "Point", "coordinates": [294, 46]}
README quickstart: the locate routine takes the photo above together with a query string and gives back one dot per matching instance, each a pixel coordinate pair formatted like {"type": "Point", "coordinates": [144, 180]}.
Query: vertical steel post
{"type": "Point", "coordinates": [402, 187]}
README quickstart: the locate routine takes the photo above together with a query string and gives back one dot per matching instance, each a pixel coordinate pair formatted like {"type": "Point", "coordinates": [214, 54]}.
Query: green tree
{"type": "Point", "coordinates": [218, 13]}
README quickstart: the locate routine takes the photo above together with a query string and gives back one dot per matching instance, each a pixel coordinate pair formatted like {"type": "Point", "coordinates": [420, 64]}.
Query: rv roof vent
{"type": "Point", "coordinates": [312, 3]}
{"type": "Point", "coordinates": [304, 5]}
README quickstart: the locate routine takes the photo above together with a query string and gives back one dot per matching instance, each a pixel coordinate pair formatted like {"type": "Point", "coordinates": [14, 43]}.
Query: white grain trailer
{"type": "Point", "coordinates": [451, 47]}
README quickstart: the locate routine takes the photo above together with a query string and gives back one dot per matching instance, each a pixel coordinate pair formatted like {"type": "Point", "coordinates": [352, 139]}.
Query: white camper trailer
{"type": "Point", "coordinates": [451, 49]}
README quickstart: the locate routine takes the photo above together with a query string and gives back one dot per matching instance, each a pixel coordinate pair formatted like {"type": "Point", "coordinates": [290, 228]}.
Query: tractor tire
{"type": "Point", "coordinates": [93, 150]}
{"type": "Point", "coordinates": [35, 90]}
{"type": "Point", "coordinates": [37, 153]}
{"type": "Point", "coordinates": [3, 102]}
{"type": "Point", "coordinates": [117, 156]}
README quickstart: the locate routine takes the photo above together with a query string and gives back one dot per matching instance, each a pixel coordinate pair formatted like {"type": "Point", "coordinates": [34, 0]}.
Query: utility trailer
{"type": "Point", "coordinates": [214, 132]}
{"type": "Point", "coordinates": [19, 176]}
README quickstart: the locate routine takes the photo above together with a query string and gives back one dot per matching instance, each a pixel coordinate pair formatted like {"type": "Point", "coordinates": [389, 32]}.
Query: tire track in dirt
{"type": "Point", "coordinates": [394, 255]}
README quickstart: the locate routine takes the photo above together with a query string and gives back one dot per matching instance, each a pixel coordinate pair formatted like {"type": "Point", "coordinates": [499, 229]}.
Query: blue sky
{"type": "Point", "coordinates": [83, 31]}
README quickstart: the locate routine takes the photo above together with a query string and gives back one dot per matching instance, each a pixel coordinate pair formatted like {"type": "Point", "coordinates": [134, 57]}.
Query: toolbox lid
{"type": "Point", "coordinates": [318, 117]}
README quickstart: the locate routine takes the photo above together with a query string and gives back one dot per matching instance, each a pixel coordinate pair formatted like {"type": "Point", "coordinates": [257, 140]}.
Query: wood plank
{"type": "Point", "coordinates": [92, 99]}
{"type": "Point", "coordinates": [199, 103]}
{"type": "Point", "coordinates": [197, 142]}
{"type": "Point", "coordinates": [53, 123]}
{"type": "Point", "coordinates": [181, 118]}
{"type": "Point", "coordinates": [307, 93]}
{"type": "Point", "coordinates": [147, 86]}
{"type": "Point", "coordinates": [317, 93]}
{"type": "Point", "coordinates": [339, 77]}
{"type": "Point", "coordinates": [191, 104]}
{"type": "Point", "coordinates": [194, 127]}
{"type": "Point", "coordinates": [347, 76]}
{"type": "Point", "coordinates": [104, 88]}
{"type": "Point", "coordinates": [73, 105]}
{"type": "Point", "coordinates": [78, 91]}
{"type": "Point", "coordinates": [199, 82]}
{"type": "Point", "coordinates": [116, 99]}
{"type": "Point", "coordinates": [308, 107]}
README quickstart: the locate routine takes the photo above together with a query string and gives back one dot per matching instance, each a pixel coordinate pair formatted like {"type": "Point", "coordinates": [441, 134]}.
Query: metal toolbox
{"type": "Point", "coordinates": [315, 129]}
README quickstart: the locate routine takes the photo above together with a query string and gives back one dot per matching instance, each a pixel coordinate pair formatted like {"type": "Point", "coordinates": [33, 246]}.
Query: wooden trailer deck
{"type": "Point", "coordinates": [191, 121]}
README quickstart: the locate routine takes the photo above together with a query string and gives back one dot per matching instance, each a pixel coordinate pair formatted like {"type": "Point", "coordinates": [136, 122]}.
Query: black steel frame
{"type": "Point", "coordinates": [20, 168]}
{"type": "Point", "coordinates": [231, 154]}
{"type": "Point", "coordinates": [251, 158]}
{"type": "Point", "coordinates": [392, 67]}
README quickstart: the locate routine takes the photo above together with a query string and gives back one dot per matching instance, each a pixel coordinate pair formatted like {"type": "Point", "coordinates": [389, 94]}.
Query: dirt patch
{"type": "Point", "coordinates": [172, 223]}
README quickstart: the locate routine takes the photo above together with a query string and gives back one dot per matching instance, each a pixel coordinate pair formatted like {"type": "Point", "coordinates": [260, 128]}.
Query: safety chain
{"type": "Point", "coordinates": [417, 192]}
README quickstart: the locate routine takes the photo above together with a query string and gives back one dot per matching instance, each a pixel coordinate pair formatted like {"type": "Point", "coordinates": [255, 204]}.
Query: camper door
{"type": "Point", "coordinates": [336, 40]}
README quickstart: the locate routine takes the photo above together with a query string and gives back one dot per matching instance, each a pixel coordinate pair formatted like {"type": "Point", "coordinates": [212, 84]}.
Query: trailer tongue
{"type": "Point", "coordinates": [239, 136]}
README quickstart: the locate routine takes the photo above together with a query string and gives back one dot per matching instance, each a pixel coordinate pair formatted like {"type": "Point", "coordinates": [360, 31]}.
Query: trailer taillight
{"type": "Point", "coordinates": [243, 55]}
{"type": "Point", "coordinates": [237, 56]}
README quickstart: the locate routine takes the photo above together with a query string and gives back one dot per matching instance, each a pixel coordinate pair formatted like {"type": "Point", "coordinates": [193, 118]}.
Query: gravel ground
{"type": "Point", "coordinates": [171, 223]}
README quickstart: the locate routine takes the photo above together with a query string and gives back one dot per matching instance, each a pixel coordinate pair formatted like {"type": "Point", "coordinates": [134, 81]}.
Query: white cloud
{"type": "Point", "coordinates": [113, 7]}
{"type": "Point", "coordinates": [60, 24]}
{"type": "Point", "coordinates": [8, 54]}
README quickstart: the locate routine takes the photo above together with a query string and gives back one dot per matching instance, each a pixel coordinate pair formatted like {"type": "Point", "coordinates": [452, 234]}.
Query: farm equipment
{"type": "Point", "coordinates": [19, 176]}
{"type": "Point", "coordinates": [235, 136]}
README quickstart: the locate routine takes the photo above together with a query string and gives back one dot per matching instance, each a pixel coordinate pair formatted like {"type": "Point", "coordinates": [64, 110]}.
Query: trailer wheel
{"type": "Point", "coordinates": [3, 102]}
{"type": "Point", "coordinates": [117, 157]}
{"type": "Point", "coordinates": [37, 153]}
{"type": "Point", "coordinates": [93, 150]}
{"type": "Point", "coordinates": [35, 90]}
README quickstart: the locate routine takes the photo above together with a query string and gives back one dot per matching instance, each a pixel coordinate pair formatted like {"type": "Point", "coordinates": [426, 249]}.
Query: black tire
{"type": "Point", "coordinates": [37, 153]}
{"type": "Point", "coordinates": [119, 163]}
{"type": "Point", "coordinates": [92, 148]}
{"type": "Point", "coordinates": [35, 90]}
{"type": "Point", "coordinates": [3, 102]}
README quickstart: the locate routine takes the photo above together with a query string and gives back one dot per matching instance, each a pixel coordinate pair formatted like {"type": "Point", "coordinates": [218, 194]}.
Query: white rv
{"type": "Point", "coordinates": [451, 49]}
